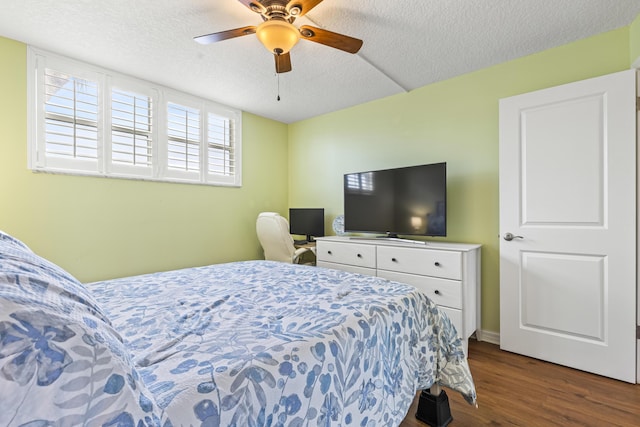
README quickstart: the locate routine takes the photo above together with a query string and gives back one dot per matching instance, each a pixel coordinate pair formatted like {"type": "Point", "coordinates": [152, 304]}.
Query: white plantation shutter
{"type": "Point", "coordinates": [71, 121]}
{"type": "Point", "coordinates": [223, 146]}
{"type": "Point", "coordinates": [89, 121]}
{"type": "Point", "coordinates": [220, 145]}
{"type": "Point", "coordinates": [131, 128]}
{"type": "Point", "coordinates": [184, 141]}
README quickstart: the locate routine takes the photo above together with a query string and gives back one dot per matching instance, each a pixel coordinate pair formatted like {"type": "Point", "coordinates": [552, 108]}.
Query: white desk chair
{"type": "Point", "coordinates": [277, 243]}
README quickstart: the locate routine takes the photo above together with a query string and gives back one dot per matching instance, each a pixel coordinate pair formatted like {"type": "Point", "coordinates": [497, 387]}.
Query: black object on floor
{"type": "Point", "coordinates": [434, 410]}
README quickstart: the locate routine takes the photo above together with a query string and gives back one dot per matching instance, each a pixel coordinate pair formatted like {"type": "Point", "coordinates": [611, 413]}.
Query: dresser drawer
{"type": "Point", "coordinates": [444, 292]}
{"type": "Point", "coordinates": [445, 264]}
{"type": "Point", "coordinates": [346, 253]}
{"type": "Point", "coordinates": [346, 267]}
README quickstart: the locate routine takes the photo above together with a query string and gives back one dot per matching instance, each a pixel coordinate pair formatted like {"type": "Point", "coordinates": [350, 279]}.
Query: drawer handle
{"type": "Point", "coordinates": [437, 292]}
{"type": "Point", "coordinates": [394, 260]}
{"type": "Point", "coordinates": [437, 264]}
{"type": "Point", "coordinates": [329, 252]}
{"type": "Point", "coordinates": [359, 256]}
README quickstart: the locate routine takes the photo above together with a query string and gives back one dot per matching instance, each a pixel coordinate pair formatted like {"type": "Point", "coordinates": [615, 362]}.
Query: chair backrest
{"type": "Point", "coordinates": [273, 234]}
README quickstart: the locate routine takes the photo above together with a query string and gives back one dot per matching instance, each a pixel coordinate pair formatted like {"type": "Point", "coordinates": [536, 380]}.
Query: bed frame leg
{"type": "Point", "coordinates": [433, 407]}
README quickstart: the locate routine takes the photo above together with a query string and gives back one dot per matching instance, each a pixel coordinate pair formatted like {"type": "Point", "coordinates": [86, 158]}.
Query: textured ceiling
{"type": "Point", "coordinates": [407, 44]}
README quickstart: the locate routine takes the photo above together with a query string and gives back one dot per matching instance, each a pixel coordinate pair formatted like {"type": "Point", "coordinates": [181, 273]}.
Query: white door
{"type": "Point", "coordinates": [568, 199]}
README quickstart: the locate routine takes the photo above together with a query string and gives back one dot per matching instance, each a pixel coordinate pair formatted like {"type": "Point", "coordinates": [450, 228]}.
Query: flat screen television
{"type": "Point", "coordinates": [307, 222]}
{"type": "Point", "coordinates": [402, 201]}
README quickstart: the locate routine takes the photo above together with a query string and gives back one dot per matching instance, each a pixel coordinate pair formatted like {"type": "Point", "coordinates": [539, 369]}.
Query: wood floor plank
{"type": "Point", "coordinates": [515, 390]}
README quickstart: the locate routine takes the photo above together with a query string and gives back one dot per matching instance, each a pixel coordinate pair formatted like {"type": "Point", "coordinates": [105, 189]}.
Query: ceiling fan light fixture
{"type": "Point", "coordinates": [277, 36]}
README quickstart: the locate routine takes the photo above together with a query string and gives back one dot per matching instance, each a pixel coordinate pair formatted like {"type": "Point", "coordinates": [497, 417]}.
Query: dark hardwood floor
{"type": "Point", "coordinates": [515, 390]}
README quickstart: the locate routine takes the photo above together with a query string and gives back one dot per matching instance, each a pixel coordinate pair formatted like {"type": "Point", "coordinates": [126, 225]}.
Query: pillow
{"type": "Point", "coordinates": [5, 236]}
{"type": "Point", "coordinates": [61, 361]}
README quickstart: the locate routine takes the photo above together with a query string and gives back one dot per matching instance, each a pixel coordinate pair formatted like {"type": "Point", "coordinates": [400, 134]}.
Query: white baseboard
{"type": "Point", "coordinates": [488, 336]}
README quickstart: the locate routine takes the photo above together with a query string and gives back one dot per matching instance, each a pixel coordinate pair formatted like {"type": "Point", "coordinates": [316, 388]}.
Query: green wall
{"type": "Point", "coordinates": [634, 42]}
{"type": "Point", "coordinates": [99, 228]}
{"type": "Point", "coordinates": [454, 121]}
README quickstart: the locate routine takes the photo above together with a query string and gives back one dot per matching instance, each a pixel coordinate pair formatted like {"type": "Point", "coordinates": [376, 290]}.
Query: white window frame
{"type": "Point", "coordinates": [37, 119]}
{"type": "Point", "coordinates": [236, 149]}
{"type": "Point", "coordinates": [122, 170]}
{"type": "Point", "coordinates": [180, 99]}
{"type": "Point", "coordinates": [160, 96]}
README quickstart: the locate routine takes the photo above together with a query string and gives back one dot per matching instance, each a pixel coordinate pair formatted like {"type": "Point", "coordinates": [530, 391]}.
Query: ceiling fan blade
{"type": "Point", "coordinates": [224, 35]}
{"type": "Point", "coordinates": [329, 38]}
{"type": "Point", "coordinates": [304, 6]}
{"type": "Point", "coordinates": [283, 63]}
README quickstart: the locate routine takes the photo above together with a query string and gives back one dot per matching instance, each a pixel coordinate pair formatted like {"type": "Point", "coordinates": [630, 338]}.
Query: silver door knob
{"type": "Point", "coordinates": [510, 236]}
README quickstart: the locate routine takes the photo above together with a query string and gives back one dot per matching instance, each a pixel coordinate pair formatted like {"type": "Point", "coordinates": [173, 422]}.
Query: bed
{"type": "Point", "coordinates": [254, 343]}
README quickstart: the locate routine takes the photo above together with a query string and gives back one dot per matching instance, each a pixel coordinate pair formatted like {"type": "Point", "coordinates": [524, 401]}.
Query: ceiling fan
{"type": "Point", "coordinates": [278, 34]}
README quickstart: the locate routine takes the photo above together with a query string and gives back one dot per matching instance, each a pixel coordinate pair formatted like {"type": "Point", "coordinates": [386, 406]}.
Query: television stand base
{"type": "Point", "coordinates": [392, 239]}
{"type": "Point", "coordinates": [402, 240]}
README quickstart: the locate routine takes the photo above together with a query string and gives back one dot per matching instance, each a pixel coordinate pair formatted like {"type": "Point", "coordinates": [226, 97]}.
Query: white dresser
{"type": "Point", "coordinates": [449, 273]}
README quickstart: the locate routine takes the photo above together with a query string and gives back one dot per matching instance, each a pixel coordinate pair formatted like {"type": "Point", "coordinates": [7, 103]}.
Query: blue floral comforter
{"type": "Point", "coordinates": [253, 343]}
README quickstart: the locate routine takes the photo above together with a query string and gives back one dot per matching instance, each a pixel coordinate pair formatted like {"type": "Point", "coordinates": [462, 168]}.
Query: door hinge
{"type": "Point", "coordinates": [638, 103]}
{"type": "Point", "coordinates": [638, 332]}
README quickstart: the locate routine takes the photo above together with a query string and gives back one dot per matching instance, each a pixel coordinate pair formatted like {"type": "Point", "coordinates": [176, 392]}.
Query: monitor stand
{"type": "Point", "coordinates": [389, 235]}
{"type": "Point", "coordinates": [309, 239]}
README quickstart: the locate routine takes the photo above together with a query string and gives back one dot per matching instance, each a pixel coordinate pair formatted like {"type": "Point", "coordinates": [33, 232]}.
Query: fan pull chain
{"type": "Point", "coordinates": [278, 77]}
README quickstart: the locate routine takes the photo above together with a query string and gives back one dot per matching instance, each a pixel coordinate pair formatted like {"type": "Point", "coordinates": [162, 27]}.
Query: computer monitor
{"type": "Point", "coordinates": [307, 222]}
